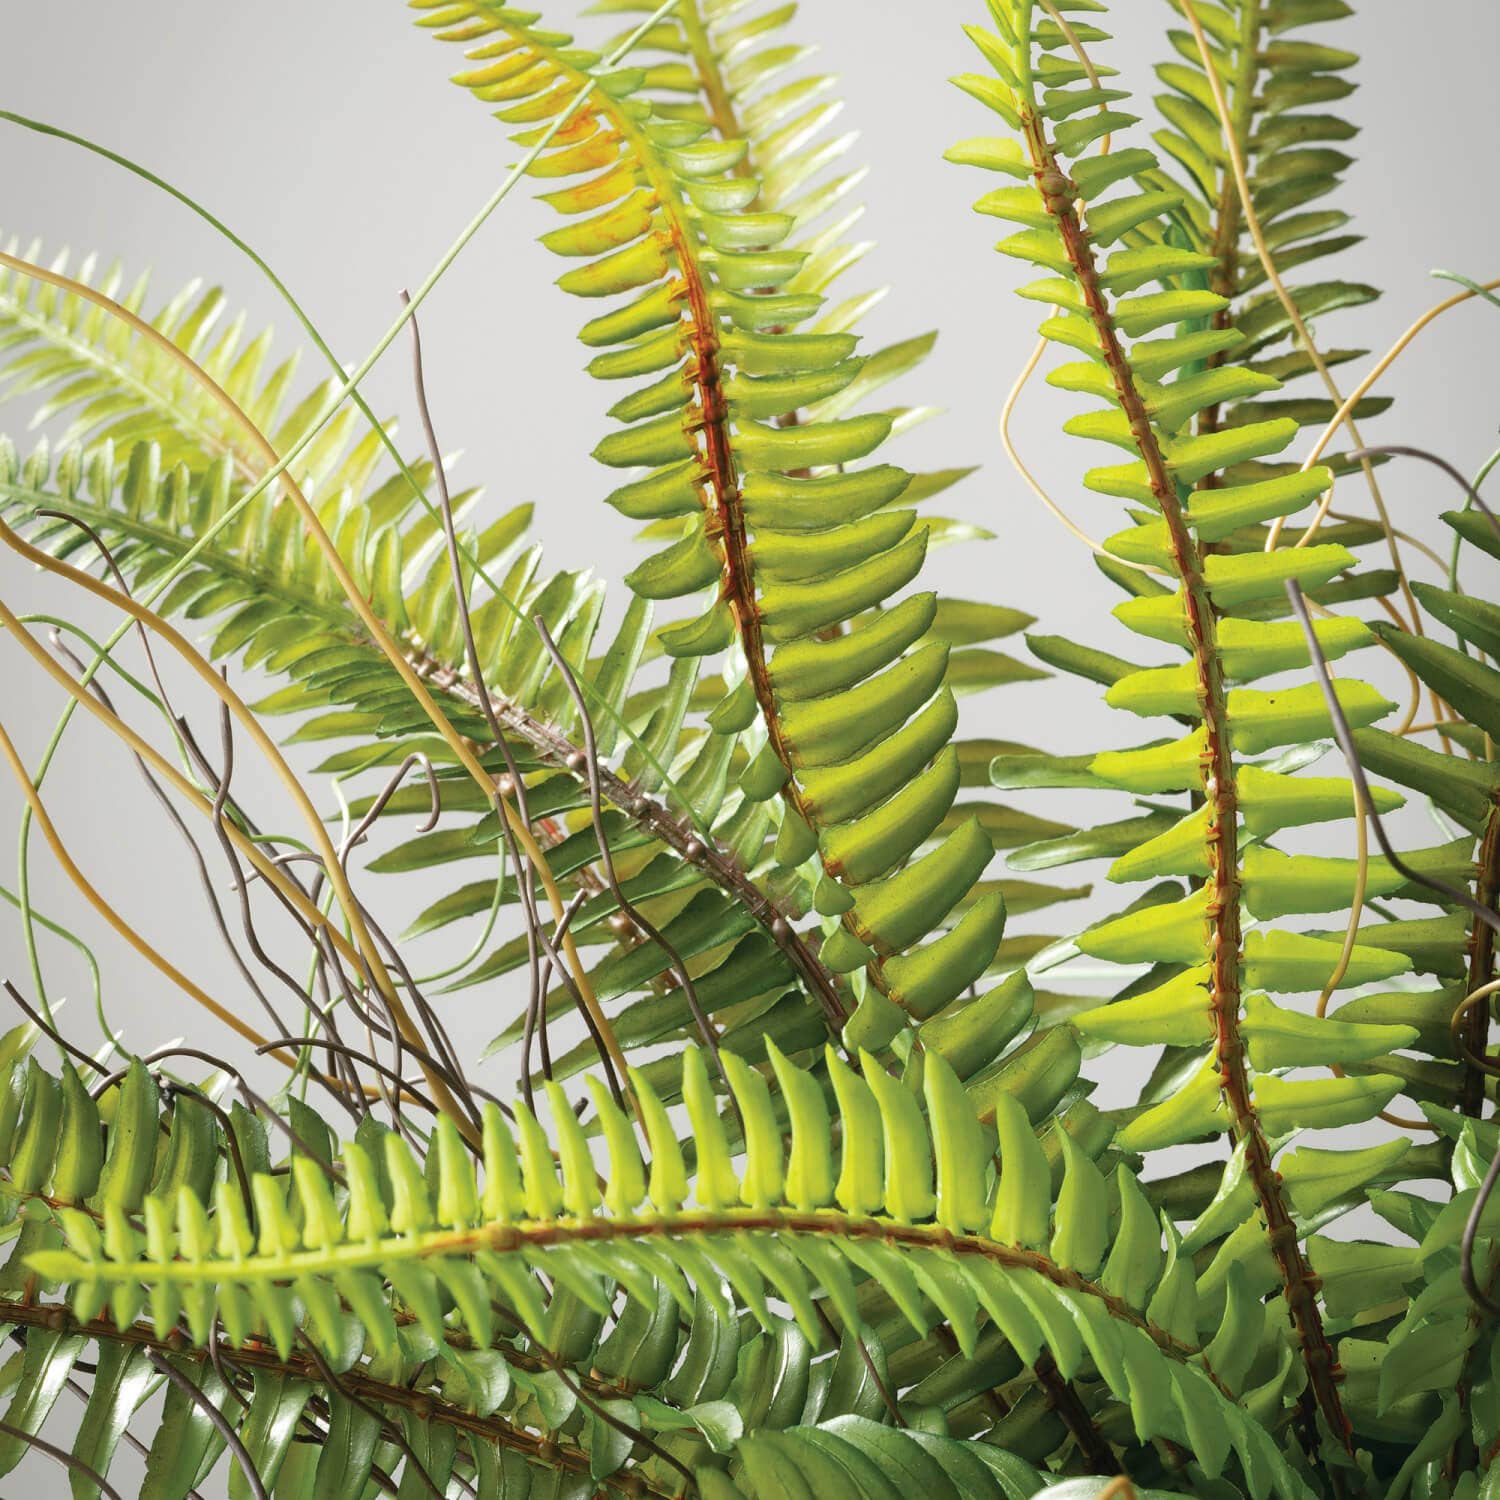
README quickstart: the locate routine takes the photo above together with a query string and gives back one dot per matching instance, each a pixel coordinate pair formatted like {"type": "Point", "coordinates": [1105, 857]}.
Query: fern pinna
{"type": "Point", "coordinates": [782, 1176]}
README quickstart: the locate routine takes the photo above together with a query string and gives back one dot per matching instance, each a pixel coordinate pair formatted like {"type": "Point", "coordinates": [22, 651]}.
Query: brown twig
{"type": "Point", "coordinates": [611, 1054]}
{"type": "Point", "coordinates": [62, 1456]}
{"type": "Point", "coordinates": [590, 758]}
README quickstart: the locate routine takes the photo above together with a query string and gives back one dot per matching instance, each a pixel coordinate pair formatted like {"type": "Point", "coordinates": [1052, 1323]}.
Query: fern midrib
{"type": "Point", "coordinates": [557, 1234]}
{"type": "Point", "coordinates": [656, 818]}
{"type": "Point", "coordinates": [725, 509]}
{"type": "Point", "coordinates": [210, 440]}
{"type": "Point", "coordinates": [256, 1356]}
{"type": "Point", "coordinates": [1298, 1281]}
{"type": "Point", "coordinates": [725, 120]}
{"type": "Point", "coordinates": [739, 570]}
{"type": "Point", "coordinates": [455, 1337]}
{"type": "Point", "coordinates": [107, 518]}
{"type": "Point", "coordinates": [711, 80]}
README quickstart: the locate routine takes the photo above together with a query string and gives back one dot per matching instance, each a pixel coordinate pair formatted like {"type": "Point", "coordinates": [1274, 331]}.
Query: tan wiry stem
{"type": "Point", "coordinates": [1299, 1284]}
{"type": "Point", "coordinates": [124, 929]}
{"type": "Point", "coordinates": [363, 955]}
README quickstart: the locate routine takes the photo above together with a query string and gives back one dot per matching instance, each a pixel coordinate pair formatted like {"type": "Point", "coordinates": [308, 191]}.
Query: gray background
{"type": "Point", "coordinates": [326, 133]}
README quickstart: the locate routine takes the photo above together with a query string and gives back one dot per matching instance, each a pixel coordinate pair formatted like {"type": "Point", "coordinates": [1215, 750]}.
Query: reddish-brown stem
{"type": "Point", "coordinates": [724, 517]}
{"type": "Point", "coordinates": [725, 520]}
{"type": "Point", "coordinates": [1299, 1283]}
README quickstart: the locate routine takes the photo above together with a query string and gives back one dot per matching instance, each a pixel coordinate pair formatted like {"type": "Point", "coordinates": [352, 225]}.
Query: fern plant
{"type": "Point", "coordinates": [781, 1175]}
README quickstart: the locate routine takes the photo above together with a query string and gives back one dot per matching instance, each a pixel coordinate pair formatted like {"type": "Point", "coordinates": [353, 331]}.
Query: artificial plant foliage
{"type": "Point", "coordinates": [781, 1176]}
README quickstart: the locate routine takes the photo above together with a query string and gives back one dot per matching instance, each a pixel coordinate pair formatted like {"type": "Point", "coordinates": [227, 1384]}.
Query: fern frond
{"type": "Point", "coordinates": [1104, 241]}
{"type": "Point", "coordinates": [267, 588]}
{"type": "Point", "coordinates": [1279, 87]}
{"type": "Point", "coordinates": [844, 734]}
{"type": "Point", "coordinates": [428, 1261]}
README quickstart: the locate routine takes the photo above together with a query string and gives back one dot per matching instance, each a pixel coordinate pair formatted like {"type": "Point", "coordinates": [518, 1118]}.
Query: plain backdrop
{"type": "Point", "coordinates": [323, 130]}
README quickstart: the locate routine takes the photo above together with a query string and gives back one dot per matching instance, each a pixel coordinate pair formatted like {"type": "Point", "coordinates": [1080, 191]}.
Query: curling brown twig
{"type": "Point", "coordinates": [61, 1455]}
{"type": "Point", "coordinates": [325, 1371]}
{"type": "Point", "coordinates": [526, 860]}
{"type": "Point", "coordinates": [1357, 773]}
{"type": "Point", "coordinates": [169, 809]}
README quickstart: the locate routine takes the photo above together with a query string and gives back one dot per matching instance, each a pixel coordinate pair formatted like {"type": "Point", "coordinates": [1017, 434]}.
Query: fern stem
{"type": "Point", "coordinates": [1224, 244]}
{"type": "Point", "coordinates": [363, 954]}
{"type": "Point", "coordinates": [739, 571]}
{"type": "Point", "coordinates": [321, 344]}
{"type": "Point", "coordinates": [725, 519]}
{"type": "Point", "coordinates": [556, 748]}
{"type": "Point", "coordinates": [1218, 780]}
{"type": "Point", "coordinates": [657, 819]}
